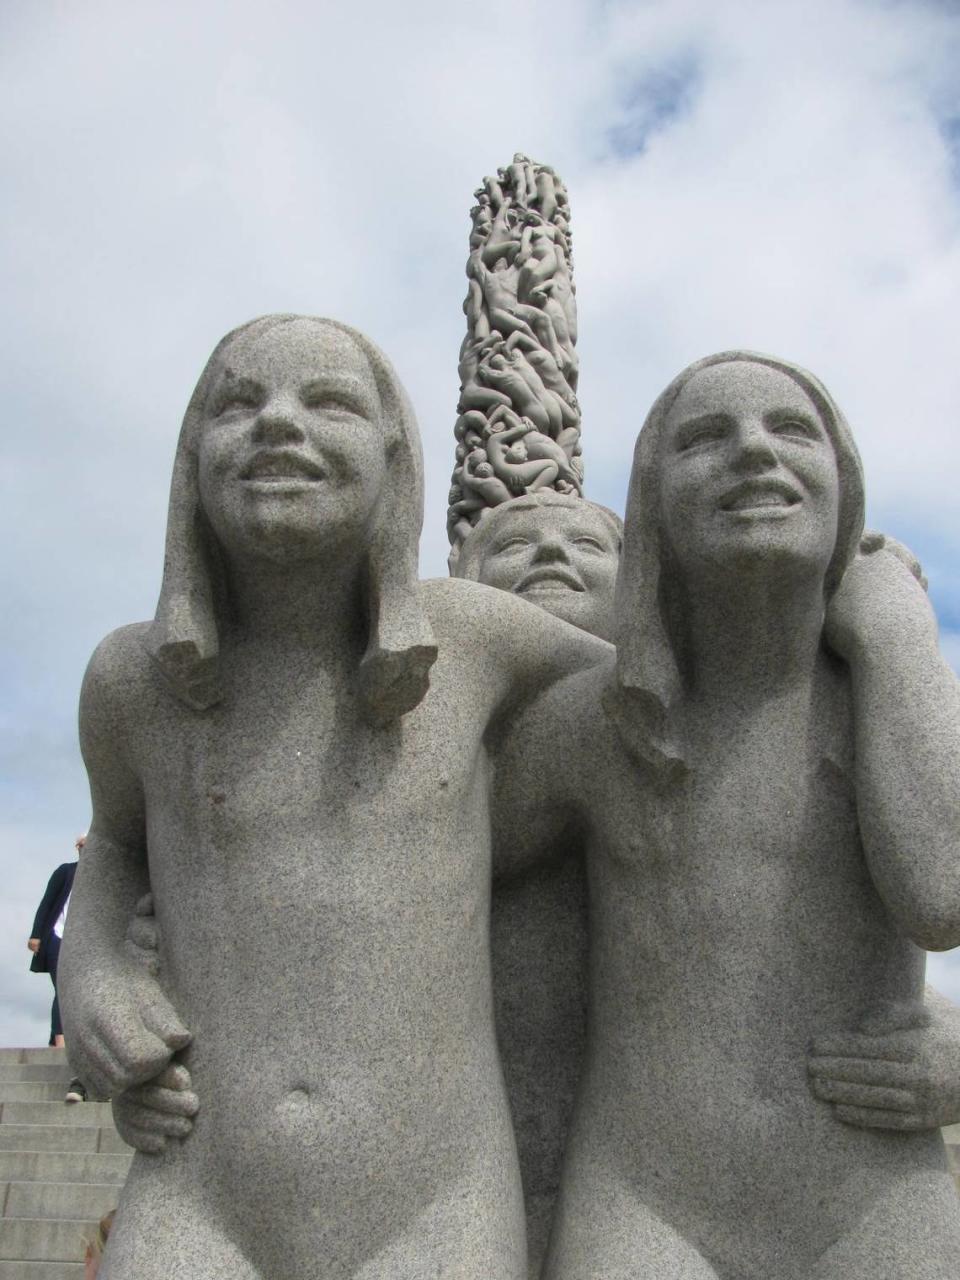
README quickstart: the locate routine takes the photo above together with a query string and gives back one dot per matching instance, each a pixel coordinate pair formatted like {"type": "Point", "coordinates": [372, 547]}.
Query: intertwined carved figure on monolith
{"type": "Point", "coordinates": [518, 429]}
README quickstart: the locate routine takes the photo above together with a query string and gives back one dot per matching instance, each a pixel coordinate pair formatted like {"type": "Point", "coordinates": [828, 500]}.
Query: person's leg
{"type": "Point", "coordinates": [913, 1230]}
{"type": "Point", "coordinates": [164, 1229]}
{"type": "Point", "coordinates": [604, 1231]}
{"type": "Point", "coordinates": [56, 1025]}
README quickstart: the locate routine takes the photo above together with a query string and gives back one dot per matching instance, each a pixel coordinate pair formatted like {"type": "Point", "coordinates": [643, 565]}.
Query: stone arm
{"type": "Point", "coordinates": [906, 710]}
{"type": "Point", "coordinates": [893, 1073]}
{"type": "Point", "coordinates": [534, 814]}
{"type": "Point", "coordinates": [119, 1026]}
{"type": "Point", "coordinates": [520, 651]}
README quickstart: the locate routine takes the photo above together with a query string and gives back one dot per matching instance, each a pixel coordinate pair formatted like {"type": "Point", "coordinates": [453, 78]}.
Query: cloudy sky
{"type": "Point", "coordinates": [776, 174]}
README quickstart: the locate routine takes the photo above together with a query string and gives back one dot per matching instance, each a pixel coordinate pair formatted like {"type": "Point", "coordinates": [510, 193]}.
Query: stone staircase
{"type": "Point", "coordinates": [61, 1168]}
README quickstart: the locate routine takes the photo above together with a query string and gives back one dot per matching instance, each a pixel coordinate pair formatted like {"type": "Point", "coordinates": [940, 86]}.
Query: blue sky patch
{"type": "Point", "coordinates": [653, 102]}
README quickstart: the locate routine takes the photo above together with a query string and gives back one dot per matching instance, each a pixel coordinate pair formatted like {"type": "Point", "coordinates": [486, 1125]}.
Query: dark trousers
{"type": "Point", "coordinates": [53, 955]}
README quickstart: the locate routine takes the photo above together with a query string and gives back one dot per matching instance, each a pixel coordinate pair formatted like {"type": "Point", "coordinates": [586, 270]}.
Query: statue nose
{"type": "Point", "coordinates": [755, 448]}
{"type": "Point", "coordinates": [552, 549]}
{"type": "Point", "coordinates": [277, 425]}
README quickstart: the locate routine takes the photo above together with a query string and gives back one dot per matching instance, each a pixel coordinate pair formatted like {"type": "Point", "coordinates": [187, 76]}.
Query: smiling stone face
{"type": "Point", "coordinates": [561, 555]}
{"type": "Point", "coordinates": [291, 457]}
{"type": "Point", "coordinates": [747, 470]}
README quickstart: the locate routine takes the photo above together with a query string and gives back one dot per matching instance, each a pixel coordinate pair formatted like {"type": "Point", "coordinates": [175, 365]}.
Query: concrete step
{"type": "Point", "coordinates": [48, 1137]}
{"type": "Point", "coordinates": [11, 1057]}
{"type": "Point", "coordinates": [33, 1071]}
{"type": "Point", "coordinates": [32, 1090]}
{"type": "Point", "coordinates": [41, 1270]}
{"type": "Point", "coordinates": [43, 1240]}
{"type": "Point", "coordinates": [59, 1199]}
{"type": "Point", "coordinates": [53, 1137]}
{"type": "Point", "coordinates": [60, 1166]}
{"type": "Point", "coordinates": [84, 1115]}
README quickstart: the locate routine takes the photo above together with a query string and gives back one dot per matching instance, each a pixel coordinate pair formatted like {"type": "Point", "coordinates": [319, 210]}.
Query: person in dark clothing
{"type": "Point", "coordinates": [44, 942]}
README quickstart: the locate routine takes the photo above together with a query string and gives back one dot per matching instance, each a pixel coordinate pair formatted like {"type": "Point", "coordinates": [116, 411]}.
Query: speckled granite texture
{"type": "Point", "coordinates": [749, 810]}
{"type": "Point", "coordinates": [767, 783]}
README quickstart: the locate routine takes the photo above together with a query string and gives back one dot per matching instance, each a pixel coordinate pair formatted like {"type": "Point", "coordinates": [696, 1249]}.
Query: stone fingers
{"type": "Point", "coordinates": [174, 1076]}
{"type": "Point", "coordinates": [179, 1104]}
{"type": "Point", "coordinates": [875, 1097]}
{"type": "Point", "coordinates": [870, 1071]}
{"type": "Point", "coordinates": [127, 1051]}
{"type": "Point", "coordinates": [893, 1047]}
{"type": "Point", "coordinates": [880, 1118]}
{"type": "Point", "coordinates": [151, 1119]}
{"type": "Point", "coordinates": [159, 1018]}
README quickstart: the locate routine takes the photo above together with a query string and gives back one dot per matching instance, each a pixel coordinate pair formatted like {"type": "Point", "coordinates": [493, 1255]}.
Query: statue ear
{"type": "Point", "coordinates": [183, 639]}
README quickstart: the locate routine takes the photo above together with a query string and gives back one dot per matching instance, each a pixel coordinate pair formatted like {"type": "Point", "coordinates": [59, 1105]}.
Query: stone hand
{"type": "Point", "coordinates": [905, 1079]}
{"type": "Point", "coordinates": [127, 1032]}
{"type": "Point", "coordinates": [149, 1115]}
{"type": "Point", "coordinates": [880, 601]}
{"type": "Point", "coordinates": [142, 942]}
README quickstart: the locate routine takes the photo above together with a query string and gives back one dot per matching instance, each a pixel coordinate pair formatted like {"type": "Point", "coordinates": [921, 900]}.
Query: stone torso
{"type": "Point", "coordinates": [322, 890]}
{"type": "Point", "coordinates": [732, 918]}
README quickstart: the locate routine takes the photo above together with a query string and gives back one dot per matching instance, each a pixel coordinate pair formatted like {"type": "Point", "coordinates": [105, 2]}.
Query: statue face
{"type": "Point", "coordinates": [562, 558]}
{"type": "Point", "coordinates": [291, 456]}
{"type": "Point", "coordinates": [747, 471]}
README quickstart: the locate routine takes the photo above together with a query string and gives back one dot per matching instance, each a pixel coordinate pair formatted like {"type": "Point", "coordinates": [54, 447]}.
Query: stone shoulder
{"type": "Point", "coordinates": [119, 673]}
{"type": "Point", "coordinates": [460, 603]}
{"type": "Point", "coordinates": [121, 654]}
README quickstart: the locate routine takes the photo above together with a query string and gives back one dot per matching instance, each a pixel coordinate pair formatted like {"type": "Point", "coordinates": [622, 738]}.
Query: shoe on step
{"type": "Point", "coordinates": [75, 1091]}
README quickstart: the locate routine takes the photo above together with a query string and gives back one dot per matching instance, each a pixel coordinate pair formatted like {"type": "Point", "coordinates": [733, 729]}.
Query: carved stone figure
{"type": "Point", "coordinates": [561, 554]}
{"type": "Point", "coordinates": [768, 803]}
{"type": "Point", "coordinates": [520, 351]}
{"type": "Point", "coordinates": [291, 758]}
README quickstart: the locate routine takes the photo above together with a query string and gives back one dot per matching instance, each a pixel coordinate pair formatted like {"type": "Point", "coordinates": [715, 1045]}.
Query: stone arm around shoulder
{"type": "Point", "coordinates": [120, 1028]}
{"type": "Point", "coordinates": [533, 813]}
{"type": "Point", "coordinates": [906, 709]}
{"type": "Point", "coordinates": [520, 650]}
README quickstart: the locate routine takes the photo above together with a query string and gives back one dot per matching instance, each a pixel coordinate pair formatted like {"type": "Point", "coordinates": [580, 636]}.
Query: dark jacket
{"type": "Point", "coordinates": [48, 912]}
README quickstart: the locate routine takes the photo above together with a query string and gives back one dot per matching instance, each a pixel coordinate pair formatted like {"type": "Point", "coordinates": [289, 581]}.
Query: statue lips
{"type": "Point", "coordinates": [761, 496]}
{"type": "Point", "coordinates": [276, 467]}
{"type": "Point", "coordinates": [548, 579]}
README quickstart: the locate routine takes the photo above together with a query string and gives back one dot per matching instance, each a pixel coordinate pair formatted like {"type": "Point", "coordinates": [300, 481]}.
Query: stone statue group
{"type": "Point", "coordinates": [708, 779]}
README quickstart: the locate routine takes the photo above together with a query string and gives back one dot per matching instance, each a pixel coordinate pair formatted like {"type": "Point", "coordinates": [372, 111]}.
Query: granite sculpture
{"type": "Point", "coordinates": [291, 759]}
{"type": "Point", "coordinates": [767, 778]}
{"type": "Point", "coordinates": [305, 732]}
{"type": "Point", "coordinates": [561, 554]}
{"type": "Point", "coordinates": [518, 424]}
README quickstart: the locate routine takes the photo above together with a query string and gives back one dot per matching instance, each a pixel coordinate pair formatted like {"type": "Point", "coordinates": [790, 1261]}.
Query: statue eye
{"type": "Point", "coordinates": [702, 432]}
{"type": "Point", "coordinates": [795, 429]}
{"type": "Point", "coordinates": [329, 402]}
{"type": "Point", "coordinates": [513, 544]}
{"type": "Point", "coordinates": [586, 540]}
{"type": "Point", "coordinates": [237, 402]}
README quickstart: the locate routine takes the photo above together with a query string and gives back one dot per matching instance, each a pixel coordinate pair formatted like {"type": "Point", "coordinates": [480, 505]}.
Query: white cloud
{"type": "Point", "coordinates": [177, 169]}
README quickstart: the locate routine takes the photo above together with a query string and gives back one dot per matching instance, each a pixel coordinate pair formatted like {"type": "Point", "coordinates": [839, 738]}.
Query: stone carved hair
{"type": "Point", "coordinates": [649, 681]}
{"type": "Point", "coordinates": [184, 641]}
{"type": "Point", "coordinates": [469, 562]}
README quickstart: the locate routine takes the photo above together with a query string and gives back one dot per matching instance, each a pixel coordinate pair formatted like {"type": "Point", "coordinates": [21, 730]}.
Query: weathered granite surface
{"type": "Point", "coordinates": [769, 803]}
{"type": "Point", "coordinates": [291, 758]}
{"type": "Point", "coordinates": [561, 554]}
